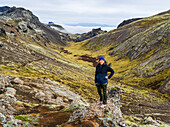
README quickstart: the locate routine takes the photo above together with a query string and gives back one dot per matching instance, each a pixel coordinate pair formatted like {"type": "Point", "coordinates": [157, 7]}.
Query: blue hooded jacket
{"type": "Point", "coordinates": [101, 73]}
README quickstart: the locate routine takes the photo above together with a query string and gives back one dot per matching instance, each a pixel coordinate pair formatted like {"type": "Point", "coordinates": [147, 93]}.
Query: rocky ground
{"type": "Point", "coordinates": [47, 81]}
{"type": "Point", "coordinates": [44, 102]}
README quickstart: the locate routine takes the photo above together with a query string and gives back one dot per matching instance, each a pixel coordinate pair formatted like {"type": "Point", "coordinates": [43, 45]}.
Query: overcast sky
{"type": "Point", "coordinates": [110, 12]}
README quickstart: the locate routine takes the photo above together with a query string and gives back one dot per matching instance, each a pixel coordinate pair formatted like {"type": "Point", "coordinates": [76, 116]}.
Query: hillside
{"type": "Point", "coordinates": [139, 54]}
{"type": "Point", "coordinates": [144, 45]}
{"type": "Point", "coordinates": [44, 76]}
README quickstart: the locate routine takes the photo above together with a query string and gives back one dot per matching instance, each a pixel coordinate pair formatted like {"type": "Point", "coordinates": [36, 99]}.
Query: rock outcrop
{"type": "Point", "coordinates": [93, 115]}
{"type": "Point", "coordinates": [27, 15]}
{"type": "Point", "coordinates": [125, 22]}
{"type": "Point", "coordinates": [27, 22]}
{"type": "Point", "coordinates": [88, 35]}
{"type": "Point", "coordinates": [4, 8]}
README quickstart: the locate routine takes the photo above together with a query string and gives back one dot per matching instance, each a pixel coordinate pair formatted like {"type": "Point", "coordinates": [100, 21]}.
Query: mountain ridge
{"type": "Point", "coordinates": [130, 42]}
{"type": "Point", "coordinates": [48, 79]}
{"type": "Point", "coordinates": [90, 25]}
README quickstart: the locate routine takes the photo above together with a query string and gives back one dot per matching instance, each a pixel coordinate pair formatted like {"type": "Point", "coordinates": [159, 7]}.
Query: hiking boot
{"type": "Point", "coordinates": [103, 105]}
{"type": "Point", "coordinates": [99, 102]}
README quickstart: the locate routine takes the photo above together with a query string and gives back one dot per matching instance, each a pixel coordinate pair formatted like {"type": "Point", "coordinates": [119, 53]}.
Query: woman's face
{"type": "Point", "coordinates": [101, 62]}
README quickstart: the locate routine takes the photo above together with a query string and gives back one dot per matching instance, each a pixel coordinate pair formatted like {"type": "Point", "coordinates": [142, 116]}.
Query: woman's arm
{"type": "Point", "coordinates": [112, 72]}
{"type": "Point", "coordinates": [95, 76]}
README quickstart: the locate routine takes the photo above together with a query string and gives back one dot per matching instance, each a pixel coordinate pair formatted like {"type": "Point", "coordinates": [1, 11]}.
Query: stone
{"type": "Point", "coordinates": [2, 118]}
{"type": "Point", "coordinates": [11, 91]}
{"type": "Point", "coordinates": [111, 115]}
{"type": "Point", "coordinates": [22, 26]}
{"type": "Point", "coordinates": [40, 95]}
{"type": "Point", "coordinates": [149, 120]}
{"type": "Point", "coordinates": [1, 44]}
{"type": "Point", "coordinates": [18, 81]}
{"type": "Point", "coordinates": [26, 88]}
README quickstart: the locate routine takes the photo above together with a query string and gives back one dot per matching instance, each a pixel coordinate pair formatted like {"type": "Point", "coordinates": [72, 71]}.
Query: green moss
{"type": "Point", "coordinates": [163, 125]}
{"type": "Point", "coordinates": [25, 118]}
{"type": "Point", "coordinates": [130, 123]}
{"type": "Point", "coordinates": [97, 45]}
{"type": "Point", "coordinates": [71, 108]}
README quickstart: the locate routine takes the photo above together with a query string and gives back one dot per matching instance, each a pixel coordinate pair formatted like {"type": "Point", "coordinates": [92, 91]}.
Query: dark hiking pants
{"type": "Point", "coordinates": [103, 97]}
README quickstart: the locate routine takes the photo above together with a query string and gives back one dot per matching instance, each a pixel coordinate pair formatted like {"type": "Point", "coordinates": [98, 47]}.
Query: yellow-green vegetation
{"type": "Point", "coordinates": [122, 69]}
{"type": "Point", "coordinates": [146, 22]}
{"type": "Point", "coordinates": [26, 118]}
{"type": "Point", "coordinates": [78, 75]}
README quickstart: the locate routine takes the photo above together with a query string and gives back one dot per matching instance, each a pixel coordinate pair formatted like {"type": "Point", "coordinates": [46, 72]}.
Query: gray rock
{"type": "Point", "coordinates": [11, 91]}
{"type": "Point", "coordinates": [14, 13]}
{"type": "Point", "coordinates": [18, 81]}
{"type": "Point", "coordinates": [110, 115]}
{"type": "Point", "coordinates": [149, 120]}
{"type": "Point", "coordinates": [22, 26]}
{"type": "Point", "coordinates": [2, 118]}
{"type": "Point", "coordinates": [1, 44]}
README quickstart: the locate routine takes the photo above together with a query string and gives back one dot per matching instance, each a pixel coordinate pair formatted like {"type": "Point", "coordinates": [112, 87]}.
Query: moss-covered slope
{"type": "Point", "coordinates": [145, 44]}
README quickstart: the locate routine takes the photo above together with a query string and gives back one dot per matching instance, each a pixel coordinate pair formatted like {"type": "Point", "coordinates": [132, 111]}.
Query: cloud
{"type": "Point", "coordinates": [82, 29]}
{"type": "Point", "coordinates": [110, 12]}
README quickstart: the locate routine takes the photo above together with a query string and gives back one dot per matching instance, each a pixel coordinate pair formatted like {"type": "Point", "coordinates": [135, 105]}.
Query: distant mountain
{"type": "Point", "coordinates": [4, 8]}
{"type": "Point", "coordinates": [90, 34]}
{"type": "Point", "coordinates": [125, 22]}
{"type": "Point", "coordinates": [59, 27]}
{"type": "Point", "coordinates": [26, 21]}
{"type": "Point", "coordinates": [90, 25]}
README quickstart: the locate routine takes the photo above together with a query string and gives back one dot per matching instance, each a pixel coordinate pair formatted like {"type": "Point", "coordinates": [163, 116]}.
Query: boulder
{"type": "Point", "coordinates": [2, 118]}
{"type": "Point", "coordinates": [111, 115]}
{"type": "Point", "coordinates": [18, 81]}
{"type": "Point", "coordinates": [22, 27]}
{"type": "Point", "coordinates": [149, 120]}
{"type": "Point", "coordinates": [11, 91]}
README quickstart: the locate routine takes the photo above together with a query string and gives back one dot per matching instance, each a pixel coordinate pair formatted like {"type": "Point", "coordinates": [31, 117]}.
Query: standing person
{"type": "Point", "coordinates": [101, 80]}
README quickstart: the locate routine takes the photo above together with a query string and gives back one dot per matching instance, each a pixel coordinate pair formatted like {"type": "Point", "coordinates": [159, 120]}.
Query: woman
{"type": "Point", "coordinates": [101, 79]}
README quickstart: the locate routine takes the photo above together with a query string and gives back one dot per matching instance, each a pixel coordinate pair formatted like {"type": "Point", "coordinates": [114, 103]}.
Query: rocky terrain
{"type": "Point", "coordinates": [90, 34]}
{"type": "Point", "coordinates": [125, 22]}
{"type": "Point", "coordinates": [46, 79]}
{"type": "Point", "coordinates": [43, 102]}
{"type": "Point", "coordinates": [27, 22]}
